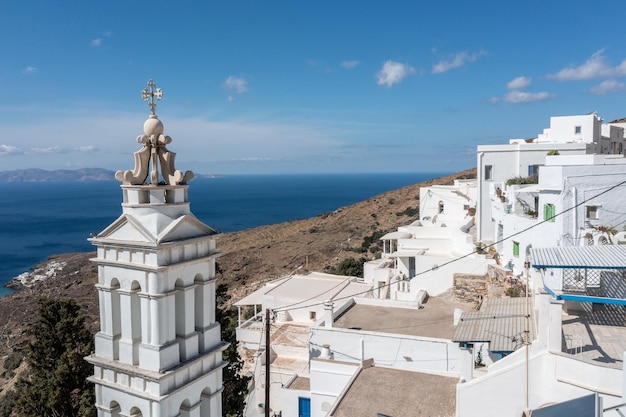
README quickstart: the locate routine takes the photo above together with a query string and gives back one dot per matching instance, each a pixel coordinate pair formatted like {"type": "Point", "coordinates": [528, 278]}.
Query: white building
{"type": "Point", "coordinates": [159, 351]}
{"type": "Point", "coordinates": [421, 258]}
{"type": "Point", "coordinates": [567, 135]}
{"type": "Point", "coordinates": [579, 350]}
{"type": "Point", "coordinates": [381, 356]}
{"type": "Point", "coordinates": [299, 301]}
{"type": "Point", "coordinates": [576, 190]}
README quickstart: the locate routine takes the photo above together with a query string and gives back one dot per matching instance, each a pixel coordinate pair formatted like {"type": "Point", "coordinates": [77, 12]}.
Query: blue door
{"type": "Point", "coordinates": [304, 407]}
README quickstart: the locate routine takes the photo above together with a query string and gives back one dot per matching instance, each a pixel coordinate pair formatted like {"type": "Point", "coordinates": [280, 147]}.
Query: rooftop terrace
{"type": "Point", "coordinates": [435, 318]}
{"type": "Point", "coordinates": [596, 335]}
{"type": "Point", "coordinates": [417, 394]}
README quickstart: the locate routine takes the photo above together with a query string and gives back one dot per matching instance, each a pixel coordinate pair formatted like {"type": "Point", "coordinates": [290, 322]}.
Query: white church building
{"type": "Point", "coordinates": [159, 350]}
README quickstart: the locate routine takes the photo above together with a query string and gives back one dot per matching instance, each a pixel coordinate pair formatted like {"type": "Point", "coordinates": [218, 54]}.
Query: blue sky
{"type": "Point", "coordinates": [300, 86]}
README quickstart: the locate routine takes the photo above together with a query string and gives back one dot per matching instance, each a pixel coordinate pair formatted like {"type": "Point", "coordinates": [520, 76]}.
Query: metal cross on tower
{"type": "Point", "coordinates": [149, 93]}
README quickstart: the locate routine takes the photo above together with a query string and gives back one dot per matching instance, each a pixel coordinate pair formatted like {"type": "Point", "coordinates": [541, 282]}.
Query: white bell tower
{"type": "Point", "coordinates": [159, 349]}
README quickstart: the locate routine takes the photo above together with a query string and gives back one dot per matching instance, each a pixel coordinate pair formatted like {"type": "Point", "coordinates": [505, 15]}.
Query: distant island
{"type": "Point", "coordinates": [63, 175]}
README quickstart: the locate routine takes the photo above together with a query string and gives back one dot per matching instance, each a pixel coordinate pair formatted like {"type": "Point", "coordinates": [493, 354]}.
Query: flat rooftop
{"type": "Point", "coordinates": [397, 393]}
{"type": "Point", "coordinates": [300, 383]}
{"type": "Point", "coordinates": [435, 318]}
{"type": "Point", "coordinates": [298, 289]}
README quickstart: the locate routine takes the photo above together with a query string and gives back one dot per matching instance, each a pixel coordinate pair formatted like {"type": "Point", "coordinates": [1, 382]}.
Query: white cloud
{"type": "Point", "coordinates": [230, 98]}
{"type": "Point", "coordinates": [350, 64]}
{"type": "Point", "coordinates": [96, 42]}
{"type": "Point", "coordinates": [608, 86]}
{"type": "Point", "coordinates": [456, 60]}
{"type": "Point", "coordinates": [203, 141]}
{"type": "Point", "coordinates": [236, 83]}
{"type": "Point", "coordinates": [595, 67]}
{"type": "Point", "coordinates": [393, 72]}
{"type": "Point", "coordinates": [517, 96]}
{"type": "Point", "coordinates": [518, 83]}
{"type": "Point", "coordinates": [89, 148]}
{"type": "Point", "coordinates": [29, 70]}
{"type": "Point", "coordinates": [9, 150]}
{"type": "Point", "coordinates": [50, 149]}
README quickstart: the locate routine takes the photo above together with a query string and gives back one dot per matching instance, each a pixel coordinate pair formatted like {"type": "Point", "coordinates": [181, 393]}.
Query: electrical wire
{"type": "Point", "coordinates": [550, 219]}
{"type": "Point", "coordinates": [284, 308]}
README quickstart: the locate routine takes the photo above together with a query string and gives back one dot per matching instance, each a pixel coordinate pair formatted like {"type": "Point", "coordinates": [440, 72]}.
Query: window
{"type": "Point", "coordinates": [533, 170]}
{"type": "Point", "coordinates": [516, 249]}
{"type": "Point", "coordinates": [488, 172]}
{"type": "Point", "coordinates": [312, 315]}
{"type": "Point", "coordinates": [548, 212]}
{"type": "Point", "coordinates": [577, 130]}
{"type": "Point", "coordinates": [591, 212]}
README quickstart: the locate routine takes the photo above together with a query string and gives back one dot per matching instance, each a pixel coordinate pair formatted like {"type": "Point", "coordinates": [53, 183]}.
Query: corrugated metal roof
{"type": "Point", "coordinates": [591, 257]}
{"type": "Point", "coordinates": [500, 321]}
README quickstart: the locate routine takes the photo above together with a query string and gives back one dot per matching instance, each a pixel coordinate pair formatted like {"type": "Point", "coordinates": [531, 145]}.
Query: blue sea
{"type": "Point", "coordinates": [43, 219]}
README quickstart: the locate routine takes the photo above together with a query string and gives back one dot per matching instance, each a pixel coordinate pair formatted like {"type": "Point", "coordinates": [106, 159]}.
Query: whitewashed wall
{"type": "Point", "coordinates": [438, 280]}
{"type": "Point", "coordinates": [511, 161]}
{"type": "Point", "coordinates": [553, 378]}
{"type": "Point", "coordinates": [562, 129]}
{"type": "Point", "coordinates": [329, 378]}
{"type": "Point", "coordinates": [411, 353]}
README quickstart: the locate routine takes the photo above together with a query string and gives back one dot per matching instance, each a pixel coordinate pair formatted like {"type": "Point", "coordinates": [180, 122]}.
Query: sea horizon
{"type": "Point", "coordinates": [42, 219]}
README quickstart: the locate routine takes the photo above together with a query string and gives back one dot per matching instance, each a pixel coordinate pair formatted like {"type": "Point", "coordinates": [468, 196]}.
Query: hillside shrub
{"type": "Point", "coordinates": [409, 211]}
{"type": "Point", "coordinates": [13, 360]}
{"type": "Point", "coordinates": [350, 267]}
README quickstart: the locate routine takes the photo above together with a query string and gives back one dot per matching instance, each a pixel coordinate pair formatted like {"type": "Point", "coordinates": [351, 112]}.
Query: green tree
{"type": "Point", "coordinates": [350, 267]}
{"type": "Point", "coordinates": [56, 383]}
{"type": "Point", "coordinates": [235, 384]}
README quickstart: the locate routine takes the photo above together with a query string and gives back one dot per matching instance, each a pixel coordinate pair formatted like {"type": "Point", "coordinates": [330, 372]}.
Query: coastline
{"type": "Point", "coordinates": [58, 217]}
{"type": "Point", "coordinates": [36, 274]}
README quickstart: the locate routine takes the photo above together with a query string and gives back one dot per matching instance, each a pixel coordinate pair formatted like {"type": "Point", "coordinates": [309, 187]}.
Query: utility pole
{"type": "Point", "coordinates": [267, 362]}
{"type": "Point", "coordinates": [527, 333]}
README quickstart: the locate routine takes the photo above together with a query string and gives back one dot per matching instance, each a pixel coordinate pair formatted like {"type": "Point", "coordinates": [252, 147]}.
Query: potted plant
{"type": "Point", "coordinates": [479, 248]}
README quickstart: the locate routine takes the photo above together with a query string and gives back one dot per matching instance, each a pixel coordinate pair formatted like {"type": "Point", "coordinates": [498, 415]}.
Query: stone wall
{"type": "Point", "coordinates": [494, 284]}
{"type": "Point", "coordinates": [470, 288]}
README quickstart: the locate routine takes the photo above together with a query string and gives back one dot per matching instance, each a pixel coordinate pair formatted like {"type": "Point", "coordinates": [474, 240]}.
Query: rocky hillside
{"type": "Point", "coordinates": [251, 257]}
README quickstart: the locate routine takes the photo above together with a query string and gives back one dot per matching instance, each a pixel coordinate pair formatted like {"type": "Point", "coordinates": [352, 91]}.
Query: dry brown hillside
{"type": "Point", "coordinates": [251, 257]}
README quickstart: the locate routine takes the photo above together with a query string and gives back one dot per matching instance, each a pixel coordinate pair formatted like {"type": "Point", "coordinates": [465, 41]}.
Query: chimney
{"type": "Point", "coordinates": [328, 317]}
{"type": "Point", "coordinates": [326, 353]}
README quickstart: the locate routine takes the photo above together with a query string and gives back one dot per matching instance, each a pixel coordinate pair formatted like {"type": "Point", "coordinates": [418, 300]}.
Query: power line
{"type": "Point", "coordinates": [470, 253]}
{"type": "Point", "coordinates": [283, 308]}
